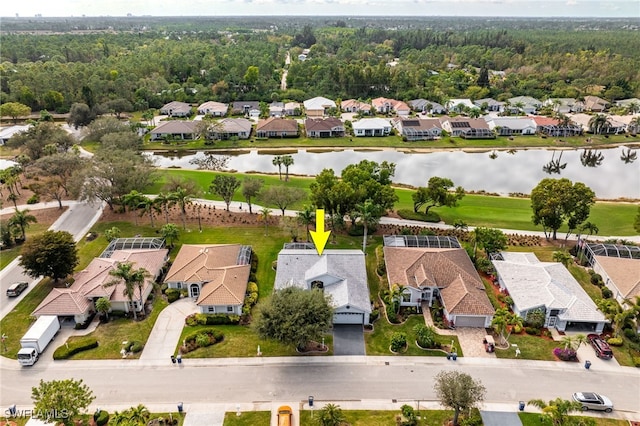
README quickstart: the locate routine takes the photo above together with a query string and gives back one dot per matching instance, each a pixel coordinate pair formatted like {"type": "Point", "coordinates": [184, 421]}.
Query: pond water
{"type": "Point", "coordinates": [501, 172]}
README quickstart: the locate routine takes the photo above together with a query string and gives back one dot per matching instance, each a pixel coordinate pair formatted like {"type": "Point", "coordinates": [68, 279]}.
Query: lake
{"type": "Point", "coordinates": [501, 172]}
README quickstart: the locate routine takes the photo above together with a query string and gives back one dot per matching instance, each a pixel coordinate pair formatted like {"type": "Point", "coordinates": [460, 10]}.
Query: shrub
{"type": "Point", "coordinates": [34, 199]}
{"type": "Point", "coordinates": [614, 341]}
{"type": "Point", "coordinates": [606, 293]}
{"type": "Point", "coordinates": [534, 331]}
{"type": "Point", "coordinates": [173, 294]}
{"type": "Point", "coordinates": [191, 320]}
{"type": "Point", "coordinates": [631, 334]}
{"type": "Point", "coordinates": [565, 354]}
{"type": "Point", "coordinates": [398, 341]}
{"type": "Point", "coordinates": [136, 347]}
{"type": "Point", "coordinates": [636, 361]}
{"type": "Point", "coordinates": [535, 318]}
{"type": "Point", "coordinates": [425, 336]}
{"type": "Point", "coordinates": [408, 417]}
{"type": "Point", "coordinates": [596, 279]}
{"type": "Point", "coordinates": [252, 287]}
{"type": "Point", "coordinates": [102, 418]}
{"type": "Point", "coordinates": [391, 314]}
{"type": "Point", "coordinates": [200, 339]}
{"type": "Point", "coordinates": [66, 351]}
{"type": "Point", "coordinates": [374, 315]}
{"type": "Point", "coordinates": [517, 329]}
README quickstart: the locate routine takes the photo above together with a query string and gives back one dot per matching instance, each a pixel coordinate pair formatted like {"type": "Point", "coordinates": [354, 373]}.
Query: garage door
{"type": "Point", "coordinates": [469, 321]}
{"type": "Point", "coordinates": [348, 318]}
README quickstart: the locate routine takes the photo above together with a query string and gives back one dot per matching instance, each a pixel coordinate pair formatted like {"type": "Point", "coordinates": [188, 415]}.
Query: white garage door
{"type": "Point", "coordinates": [469, 321]}
{"type": "Point", "coordinates": [348, 318]}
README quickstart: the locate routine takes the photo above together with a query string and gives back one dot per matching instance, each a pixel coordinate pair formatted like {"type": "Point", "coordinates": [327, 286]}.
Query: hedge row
{"type": "Point", "coordinates": [212, 319]}
{"type": "Point", "coordinates": [66, 351]}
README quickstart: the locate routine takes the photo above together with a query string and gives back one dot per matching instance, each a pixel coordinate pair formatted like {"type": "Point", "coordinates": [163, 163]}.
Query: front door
{"type": "Point", "coordinates": [552, 321]}
{"type": "Point", "coordinates": [194, 290]}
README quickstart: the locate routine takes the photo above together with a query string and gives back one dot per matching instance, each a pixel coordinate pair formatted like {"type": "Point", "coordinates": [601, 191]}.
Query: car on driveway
{"type": "Point", "coordinates": [603, 351]}
{"type": "Point", "coordinates": [16, 288]}
{"type": "Point", "coordinates": [593, 401]}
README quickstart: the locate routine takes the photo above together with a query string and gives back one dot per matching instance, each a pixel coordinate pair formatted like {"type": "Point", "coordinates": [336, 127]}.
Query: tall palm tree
{"type": "Point", "coordinates": [148, 206]}
{"type": "Point", "coordinates": [556, 411]}
{"type": "Point", "coordinates": [170, 232]}
{"type": "Point", "coordinates": [183, 197]}
{"type": "Point", "coordinates": [165, 201]}
{"type": "Point", "coordinates": [287, 161]}
{"type": "Point", "coordinates": [133, 200]}
{"type": "Point", "coordinates": [368, 214]}
{"type": "Point", "coordinates": [21, 220]}
{"type": "Point", "coordinates": [277, 161]}
{"type": "Point", "coordinates": [629, 156]}
{"type": "Point", "coordinates": [598, 123]}
{"type": "Point", "coordinates": [132, 279]}
{"type": "Point", "coordinates": [306, 217]}
{"type": "Point", "coordinates": [265, 212]}
{"type": "Point", "coordinates": [393, 296]}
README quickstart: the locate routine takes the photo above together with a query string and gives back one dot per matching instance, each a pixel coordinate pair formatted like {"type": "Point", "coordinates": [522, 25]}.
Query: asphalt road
{"type": "Point", "coordinates": [128, 382]}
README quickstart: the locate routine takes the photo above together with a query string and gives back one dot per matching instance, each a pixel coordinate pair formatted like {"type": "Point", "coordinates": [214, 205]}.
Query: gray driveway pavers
{"type": "Point", "coordinates": [348, 339]}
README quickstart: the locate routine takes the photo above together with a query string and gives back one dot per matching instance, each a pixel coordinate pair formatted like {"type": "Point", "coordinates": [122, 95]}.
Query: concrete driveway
{"type": "Point", "coordinates": [500, 418]}
{"type": "Point", "coordinates": [348, 339]}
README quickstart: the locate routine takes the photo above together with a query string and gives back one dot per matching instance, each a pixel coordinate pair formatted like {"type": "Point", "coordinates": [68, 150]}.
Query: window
{"type": "Point", "coordinates": [211, 309]}
{"type": "Point", "coordinates": [229, 308]}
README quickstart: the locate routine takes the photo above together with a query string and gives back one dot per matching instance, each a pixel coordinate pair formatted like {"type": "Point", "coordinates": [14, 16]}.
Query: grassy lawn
{"type": "Point", "coordinates": [533, 419]}
{"type": "Point", "coordinates": [247, 418]}
{"type": "Point", "coordinates": [475, 210]}
{"type": "Point", "coordinates": [111, 335]}
{"type": "Point", "coordinates": [531, 347]}
{"type": "Point", "coordinates": [380, 417]}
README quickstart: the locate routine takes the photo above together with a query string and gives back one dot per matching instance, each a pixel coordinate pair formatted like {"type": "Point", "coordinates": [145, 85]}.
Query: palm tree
{"type": "Point", "coordinates": [287, 161]}
{"type": "Point", "coordinates": [591, 158]}
{"type": "Point", "coordinates": [183, 197]}
{"type": "Point", "coordinates": [133, 201]}
{"type": "Point", "coordinates": [368, 214]}
{"type": "Point", "coordinates": [164, 201]}
{"type": "Point", "coordinates": [629, 156]}
{"type": "Point", "coordinates": [148, 206]}
{"type": "Point", "coordinates": [170, 232]}
{"type": "Point", "coordinates": [103, 305]}
{"type": "Point", "coordinates": [264, 215]}
{"type": "Point", "coordinates": [556, 411]}
{"type": "Point", "coordinates": [277, 161]}
{"type": "Point", "coordinates": [139, 415]}
{"type": "Point", "coordinates": [393, 296]}
{"type": "Point", "coordinates": [132, 278]}
{"type": "Point", "coordinates": [330, 415]}
{"type": "Point", "coordinates": [306, 217]}
{"type": "Point", "coordinates": [598, 123]}
{"type": "Point", "coordinates": [119, 418]}
{"type": "Point", "coordinates": [562, 256]}
{"type": "Point", "coordinates": [21, 220]}
{"type": "Point", "coordinates": [634, 125]}
{"type": "Point", "coordinates": [633, 107]}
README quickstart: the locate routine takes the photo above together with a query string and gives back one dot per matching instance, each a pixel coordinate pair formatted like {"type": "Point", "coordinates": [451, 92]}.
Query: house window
{"type": "Point", "coordinates": [406, 297]}
{"type": "Point", "coordinates": [211, 309]}
{"type": "Point", "coordinates": [229, 308]}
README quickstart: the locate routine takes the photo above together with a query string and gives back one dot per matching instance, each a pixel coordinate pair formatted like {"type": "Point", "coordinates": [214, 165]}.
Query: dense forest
{"type": "Point", "coordinates": [145, 62]}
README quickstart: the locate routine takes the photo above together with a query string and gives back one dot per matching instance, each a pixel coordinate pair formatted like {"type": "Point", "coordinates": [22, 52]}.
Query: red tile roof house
{"type": "Point", "coordinates": [551, 127]}
{"type": "Point", "coordinates": [78, 301]}
{"type": "Point", "coordinates": [324, 127]}
{"type": "Point", "coordinates": [174, 130]}
{"type": "Point", "coordinates": [428, 274]}
{"type": "Point", "coordinates": [176, 109]}
{"type": "Point", "coordinates": [353, 105]}
{"type": "Point", "coordinates": [387, 106]}
{"type": "Point", "coordinates": [416, 129]}
{"type": "Point", "coordinates": [621, 275]}
{"type": "Point", "coordinates": [274, 127]}
{"type": "Point", "coordinates": [215, 109]}
{"type": "Point", "coordinates": [215, 275]}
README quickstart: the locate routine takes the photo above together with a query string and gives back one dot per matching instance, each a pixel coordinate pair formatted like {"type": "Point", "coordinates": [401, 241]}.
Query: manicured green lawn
{"type": "Point", "coordinates": [248, 418]}
{"type": "Point", "coordinates": [380, 417]}
{"type": "Point", "coordinates": [533, 419]}
{"type": "Point", "coordinates": [531, 347]}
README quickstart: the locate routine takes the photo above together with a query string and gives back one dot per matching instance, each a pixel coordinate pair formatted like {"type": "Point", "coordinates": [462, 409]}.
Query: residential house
{"type": "Point", "coordinates": [489, 105]}
{"type": "Point", "coordinates": [470, 128]}
{"type": "Point", "coordinates": [595, 104]}
{"type": "Point", "coordinates": [246, 108]}
{"type": "Point", "coordinates": [7, 132]}
{"type": "Point", "coordinates": [353, 105]}
{"type": "Point", "coordinates": [276, 109]}
{"type": "Point", "coordinates": [416, 129]}
{"type": "Point", "coordinates": [550, 287]}
{"type": "Point", "coordinates": [174, 130]}
{"type": "Point", "coordinates": [552, 127]}
{"type": "Point", "coordinates": [510, 126]}
{"type": "Point", "coordinates": [176, 109]}
{"type": "Point", "coordinates": [388, 106]}
{"type": "Point", "coordinates": [215, 275]}
{"type": "Point", "coordinates": [427, 107]}
{"type": "Point", "coordinates": [318, 106]}
{"type": "Point", "coordinates": [292, 108]}
{"type": "Point", "coordinates": [274, 127]}
{"type": "Point", "coordinates": [431, 269]}
{"type": "Point", "coordinates": [340, 274]}
{"type": "Point", "coordinates": [632, 104]}
{"type": "Point", "coordinates": [324, 127]}
{"type": "Point", "coordinates": [77, 302]}
{"type": "Point", "coordinates": [621, 275]}
{"type": "Point", "coordinates": [371, 127]}
{"type": "Point", "coordinates": [215, 109]}
{"type": "Point", "coordinates": [228, 128]}
{"type": "Point", "coordinates": [564, 105]}
{"type": "Point", "coordinates": [460, 105]}
{"type": "Point", "coordinates": [525, 104]}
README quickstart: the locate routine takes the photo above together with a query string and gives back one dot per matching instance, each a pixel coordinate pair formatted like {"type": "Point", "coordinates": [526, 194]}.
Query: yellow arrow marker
{"type": "Point", "coordinates": [320, 236]}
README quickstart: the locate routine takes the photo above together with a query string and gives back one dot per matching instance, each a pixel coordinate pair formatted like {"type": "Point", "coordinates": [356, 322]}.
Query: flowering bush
{"type": "Point", "coordinates": [567, 354]}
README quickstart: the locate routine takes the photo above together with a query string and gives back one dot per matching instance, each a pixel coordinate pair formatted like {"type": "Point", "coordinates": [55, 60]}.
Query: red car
{"type": "Point", "coordinates": [602, 349]}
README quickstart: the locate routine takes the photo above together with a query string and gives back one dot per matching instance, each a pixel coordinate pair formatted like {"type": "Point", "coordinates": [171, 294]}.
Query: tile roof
{"type": "Point", "coordinates": [318, 124]}
{"type": "Point", "coordinates": [235, 125]}
{"type": "Point", "coordinates": [371, 123]}
{"type": "Point", "coordinates": [355, 104]}
{"type": "Point", "coordinates": [176, 106]}
{"type": "Point", "coordinates": [212, 106]}
{"type": "Point", "coordinates": [625, 274]}
{"type": "Point", "coordinates": [448, 269]}
{"type": "Point", "coordinates": [63, 301]}
{"type": "Point", "coordinates": [318, 102]}
{"type": "Point", "coordinates": [277, 124]}
{"type": "Point", "coordinates": [175, 126]}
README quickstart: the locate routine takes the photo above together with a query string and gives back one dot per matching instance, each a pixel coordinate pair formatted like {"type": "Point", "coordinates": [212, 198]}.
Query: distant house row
{"type": "Point", "coordinates": [409, 128]}
{"type": "Point", "coordinates": [321, 106]}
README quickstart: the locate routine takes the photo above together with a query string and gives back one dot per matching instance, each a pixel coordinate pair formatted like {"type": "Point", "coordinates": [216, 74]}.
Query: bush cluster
{"type": "Point", "coordinates": [614, 341]}
{"type": "Point", "coordinates": [251, 298]}
{"type": "Point", "coordinates": [631, 334]}
{"type": "Point", "coordinates": [65, 352]}
{"type": "Point", "coordinates": [534, 331]}
{"type": "Point", "coordinates": [211, 319]}
{"type": "Point", "coordinates": [381, 267]}
{"type": "Point", "coordinates": [134, 347]}
{"type": "Point", "coordinates": [398, 341]}
{"type": "Point", "coordinates": [391, 314]}
{"type": "Point", "coordinates": [201, 339]}
{"type": "Point", "coordinates": [101, 418]}
{"type": "Point", "coordinates": [567, 354]}
{"type": "Point", "coordinates": [172, 294]}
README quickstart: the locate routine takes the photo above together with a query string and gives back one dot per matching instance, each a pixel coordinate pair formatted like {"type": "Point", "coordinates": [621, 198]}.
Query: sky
{"type": "Point", "coordinates": [521, 8]}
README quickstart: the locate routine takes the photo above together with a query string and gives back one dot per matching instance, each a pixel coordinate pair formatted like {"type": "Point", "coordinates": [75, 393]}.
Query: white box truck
{"type": "Point", "coordinates": [37, 338]}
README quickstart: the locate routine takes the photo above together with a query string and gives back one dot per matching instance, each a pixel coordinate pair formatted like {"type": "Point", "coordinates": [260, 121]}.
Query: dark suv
{"type": "Point", "coordinates": [601, 347]}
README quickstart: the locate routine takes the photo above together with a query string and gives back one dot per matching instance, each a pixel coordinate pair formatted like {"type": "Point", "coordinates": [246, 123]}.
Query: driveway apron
{"type": "Point", "coordinates": [348, 339]}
